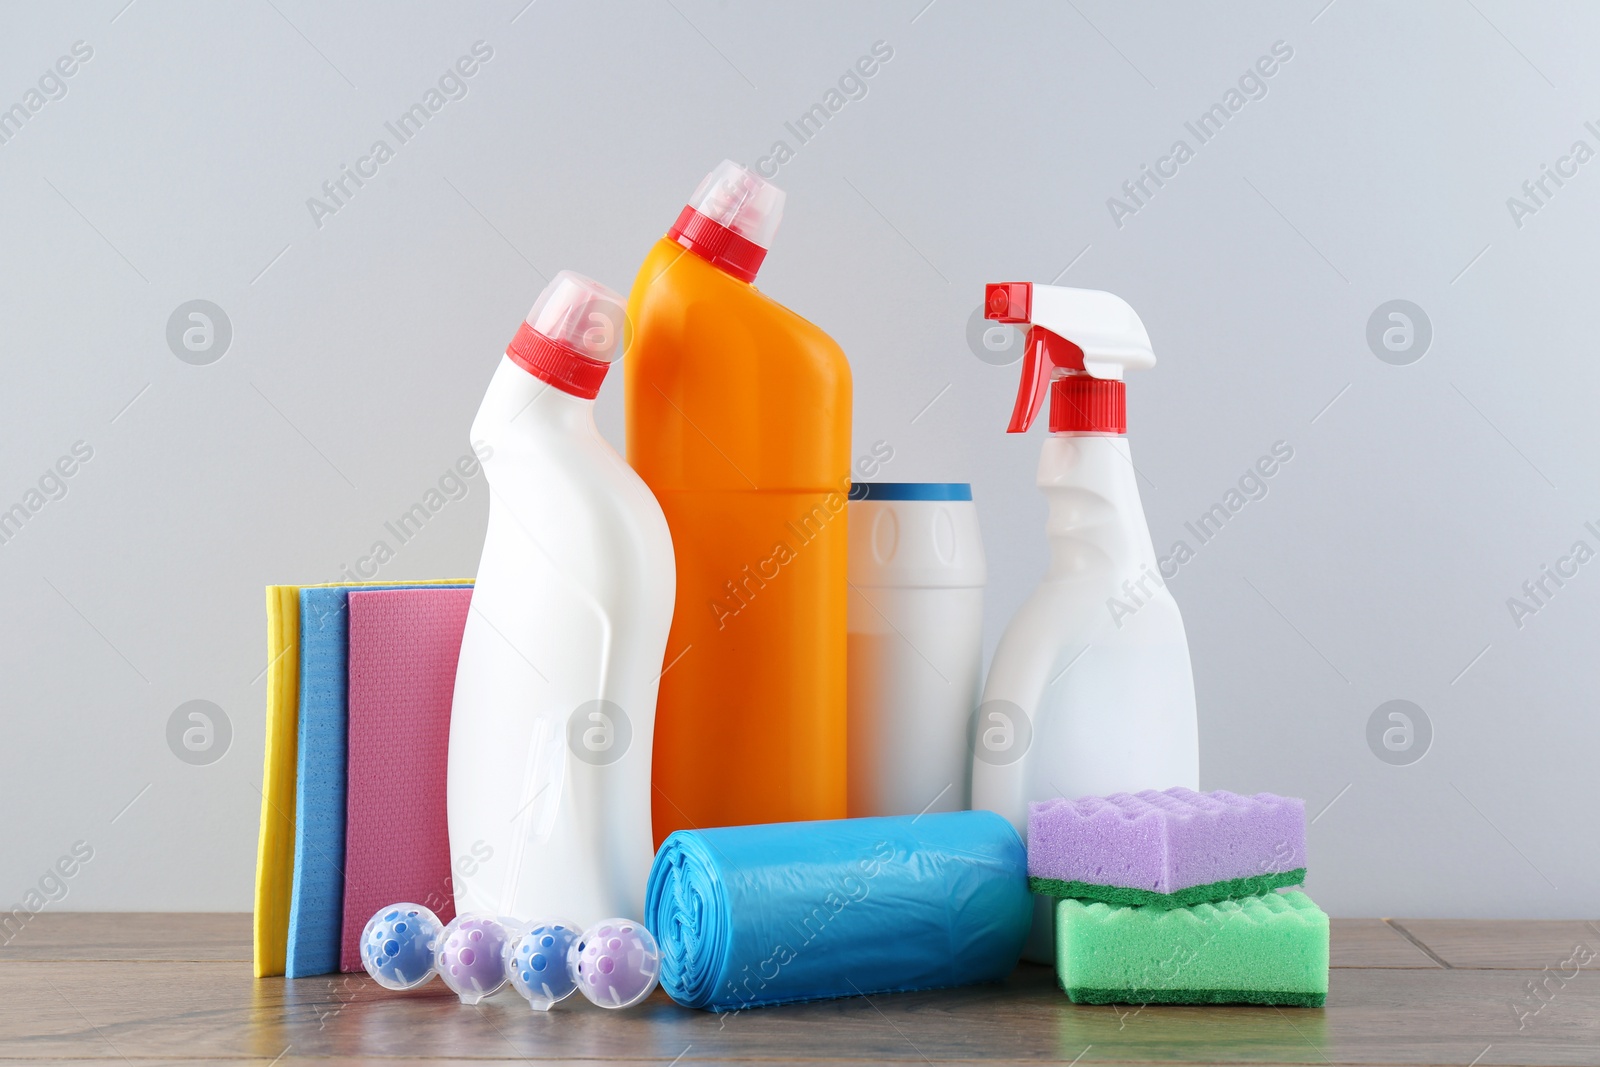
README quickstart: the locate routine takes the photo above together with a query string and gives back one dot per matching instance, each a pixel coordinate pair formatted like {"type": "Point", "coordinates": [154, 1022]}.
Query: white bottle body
{"type": "Point", "coordinates": [1090, 690]}
{"type": "Point", "coordinates": [915, 661]}
{"type": "Point", "coordinates": [554, 713]}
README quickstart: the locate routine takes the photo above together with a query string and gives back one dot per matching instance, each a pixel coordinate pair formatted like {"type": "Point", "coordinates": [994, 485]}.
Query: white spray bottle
{"type": "Point", "coordinates": [1090, 691]}
{"type": "Point", "coordinates": [555, 699]}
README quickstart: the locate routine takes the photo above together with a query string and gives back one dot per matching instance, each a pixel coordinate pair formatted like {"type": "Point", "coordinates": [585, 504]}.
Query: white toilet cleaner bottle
{"type": "Point", "coordinates": [553, 720]}
{"type": "Point", "coordinates": [1090, 690]}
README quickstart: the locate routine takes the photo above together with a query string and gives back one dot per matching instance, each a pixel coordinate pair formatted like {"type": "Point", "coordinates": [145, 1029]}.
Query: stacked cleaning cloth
{"type": "Point", "coordinates": [359, 684]}
{"type": "Point", "coordinates": [1178, 897]}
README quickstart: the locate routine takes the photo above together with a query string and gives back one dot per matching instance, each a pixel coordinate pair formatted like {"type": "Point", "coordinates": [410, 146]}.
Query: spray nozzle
{"type": "Point", "coordinates": [1076, 338]}
{"type": "Point", "coordinates": [1008, 301]}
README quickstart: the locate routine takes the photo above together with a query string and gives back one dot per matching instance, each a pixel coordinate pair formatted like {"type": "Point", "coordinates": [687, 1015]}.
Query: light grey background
{"type": "Point", "coordinates": [1376, 167]}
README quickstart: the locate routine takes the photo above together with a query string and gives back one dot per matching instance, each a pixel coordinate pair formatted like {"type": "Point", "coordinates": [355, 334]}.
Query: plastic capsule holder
{"type": "Point", "coordinates": [616, 962]}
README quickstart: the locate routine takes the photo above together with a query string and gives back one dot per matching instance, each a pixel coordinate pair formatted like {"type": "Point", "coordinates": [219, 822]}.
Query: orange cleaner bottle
{"type": "Point", "coordinates": [738, 418]}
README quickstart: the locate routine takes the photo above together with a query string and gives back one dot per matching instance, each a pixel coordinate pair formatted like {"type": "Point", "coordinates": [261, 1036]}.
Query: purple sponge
{"type": "Point", "coordinates": [1171, 848]}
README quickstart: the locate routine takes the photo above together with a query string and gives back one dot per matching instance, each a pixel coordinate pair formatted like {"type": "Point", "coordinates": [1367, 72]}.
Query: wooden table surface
{"type": "Point", "coordinates": [160, 989]}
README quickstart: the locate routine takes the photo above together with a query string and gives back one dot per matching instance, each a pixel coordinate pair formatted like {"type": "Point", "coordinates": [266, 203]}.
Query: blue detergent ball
{"type": "Point", "coordinates": [536, 963]}
{"type": "Point", "coordinates": [398, 943]}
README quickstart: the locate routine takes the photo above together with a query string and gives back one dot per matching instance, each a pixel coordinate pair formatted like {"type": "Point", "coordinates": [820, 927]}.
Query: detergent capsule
{"type": "Point", "coordinates": [471, 956]}
{"type": "Point", "coordinates": [398, 943]}
{"type": "Point", "coordinates": [616, 963]}
{"type": "Point", "coordinates": [536, 962]}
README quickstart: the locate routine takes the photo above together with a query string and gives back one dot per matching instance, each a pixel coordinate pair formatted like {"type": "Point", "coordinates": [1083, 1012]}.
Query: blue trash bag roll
{"type": "Point", "coordinates": [756, 915]}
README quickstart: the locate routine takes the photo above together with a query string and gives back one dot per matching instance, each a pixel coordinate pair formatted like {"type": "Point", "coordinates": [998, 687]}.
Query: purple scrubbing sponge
{"type": "Point", "coordinates": [1170, 848]}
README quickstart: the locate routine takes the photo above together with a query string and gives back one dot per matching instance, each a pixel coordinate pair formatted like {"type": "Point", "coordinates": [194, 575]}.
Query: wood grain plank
{"type": "Point", "coordinates": [1372, 943]}
{"type": "Point", "coordinates": [1525, 944]}
{"type": "Point", "coordinates": [102, 988]}
{"type": "Point", "coordinates": [216, 1011]}
{"type": "Point", "coordinates": [114, 936]}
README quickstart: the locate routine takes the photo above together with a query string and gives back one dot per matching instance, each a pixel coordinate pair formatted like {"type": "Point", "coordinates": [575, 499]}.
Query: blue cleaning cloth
{"type": "Point", "coordinates": [316, 908]}
{"type": "Point", "coordinates": [755, 915]}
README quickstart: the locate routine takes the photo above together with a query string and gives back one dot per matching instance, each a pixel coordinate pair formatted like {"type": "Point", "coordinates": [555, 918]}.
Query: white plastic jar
{"type": "Point", "coordinates": [915, 663]}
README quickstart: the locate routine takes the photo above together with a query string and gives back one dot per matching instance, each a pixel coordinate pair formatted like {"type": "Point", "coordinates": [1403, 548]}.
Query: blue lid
{"type": "Point", "coordinates": [911, 491]}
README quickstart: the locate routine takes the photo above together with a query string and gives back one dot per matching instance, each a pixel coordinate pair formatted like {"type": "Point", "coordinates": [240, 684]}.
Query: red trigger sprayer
{"type": "Point", "coordinates": [1091, 681]}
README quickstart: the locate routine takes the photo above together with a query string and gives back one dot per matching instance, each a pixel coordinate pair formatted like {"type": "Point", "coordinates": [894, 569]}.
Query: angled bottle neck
{"type": "Point", "coordinates": [1096, 521]}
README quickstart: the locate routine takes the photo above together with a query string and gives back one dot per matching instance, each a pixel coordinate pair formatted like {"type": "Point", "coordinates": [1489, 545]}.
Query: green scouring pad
{"type": "Point", "coordinates": [1269, 949]}
{"type": "Point", "coordinates": [1196, 894]}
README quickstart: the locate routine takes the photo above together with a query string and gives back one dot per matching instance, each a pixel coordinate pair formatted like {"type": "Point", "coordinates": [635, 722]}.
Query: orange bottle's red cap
{"type": "Point", "coordinates": [731, 219]}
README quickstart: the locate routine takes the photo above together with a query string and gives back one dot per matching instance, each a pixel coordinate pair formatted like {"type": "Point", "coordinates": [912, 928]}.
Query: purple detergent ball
{"type": "Point", "coordinates": [397, 945]}
{"type": "Point", "coordinates": [616, 963]}
{"type": "Point", "coordinates": [471, 957]}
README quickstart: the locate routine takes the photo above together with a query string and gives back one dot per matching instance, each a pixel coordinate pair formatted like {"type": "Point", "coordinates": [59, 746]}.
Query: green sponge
{"type": "Point", "coordinates": [1270, 949]}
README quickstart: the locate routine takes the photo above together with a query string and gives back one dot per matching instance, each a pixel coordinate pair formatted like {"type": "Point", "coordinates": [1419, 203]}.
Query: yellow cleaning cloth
{"type": "Point", "coordinates": [275, 847]}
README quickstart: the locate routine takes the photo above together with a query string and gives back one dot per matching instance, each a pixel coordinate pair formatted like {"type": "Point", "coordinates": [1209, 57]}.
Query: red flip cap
{"type": "Point", "coordinates": [717, 245]}
{"type": "Point", "coordinates": [561, 365]}
{"type": "Point", "coordinates": [576, 329]}
{"type": "Point", "coordinates": [1079, 402]}
{"type": "Point", "coordinates": [730, 220]}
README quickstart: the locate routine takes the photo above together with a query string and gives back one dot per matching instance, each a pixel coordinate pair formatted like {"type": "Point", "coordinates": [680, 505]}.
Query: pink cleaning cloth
{"type": "Point", "coordinates": [403, 649]}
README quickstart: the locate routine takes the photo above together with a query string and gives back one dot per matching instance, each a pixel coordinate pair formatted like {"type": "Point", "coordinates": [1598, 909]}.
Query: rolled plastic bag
{"type": "Point", "coordinates": [755, 915]}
